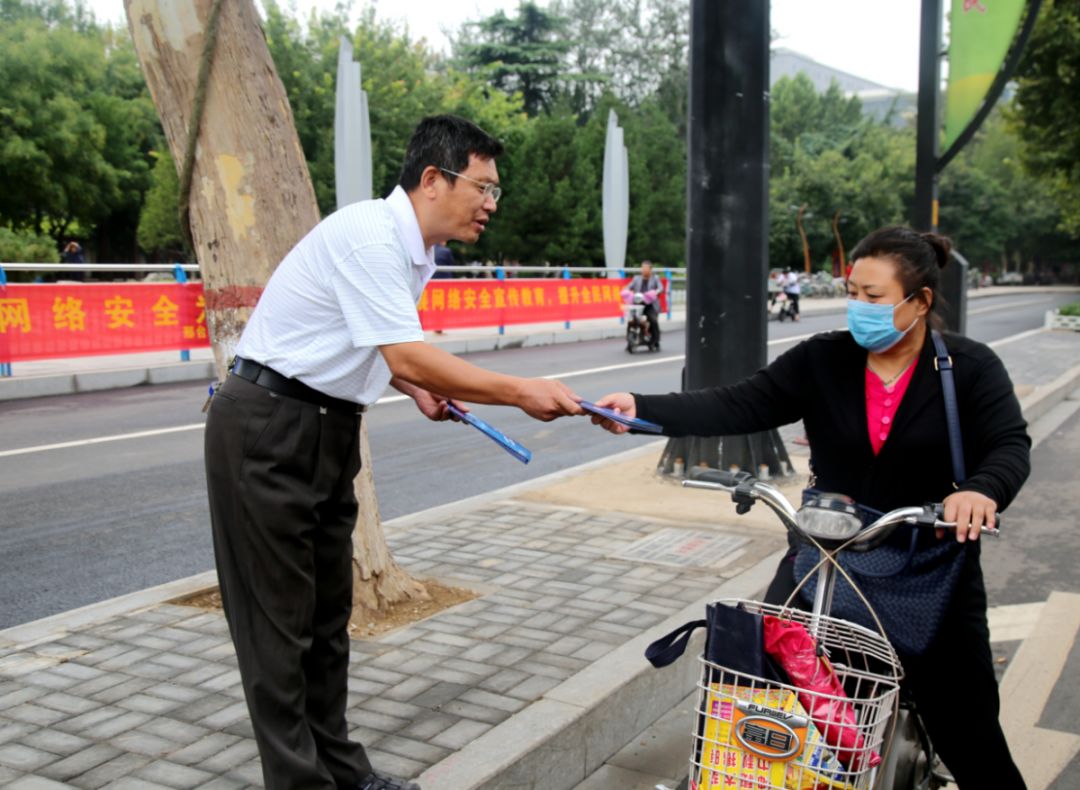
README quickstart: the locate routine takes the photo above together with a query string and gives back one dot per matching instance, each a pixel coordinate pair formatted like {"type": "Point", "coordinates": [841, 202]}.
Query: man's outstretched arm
{"type": "Point", "coordinates": [436, 371]}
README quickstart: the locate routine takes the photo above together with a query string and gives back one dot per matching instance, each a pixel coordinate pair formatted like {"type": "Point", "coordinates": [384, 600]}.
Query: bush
{"type": "Point", "coordinates": [1070, 309]}
{"type": "Point", "coordinates": [26, 247]}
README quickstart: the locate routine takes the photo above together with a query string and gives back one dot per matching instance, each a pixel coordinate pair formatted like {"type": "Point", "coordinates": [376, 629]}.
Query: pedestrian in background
{"type": "Point", "coordinates": [73, 254]}
{"type": "Point", "coordinates": [792, 290]}
{"type": "Point", "coordinates": [336, 323]}
{"type": "Point", "coordinates": [444, 256]}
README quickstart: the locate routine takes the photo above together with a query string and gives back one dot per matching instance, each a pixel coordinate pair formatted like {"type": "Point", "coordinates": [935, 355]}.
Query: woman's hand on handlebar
{"type": "Point", "coordinates": [622, 402]}
{"type": "Point", "coordinates": [969, 508]}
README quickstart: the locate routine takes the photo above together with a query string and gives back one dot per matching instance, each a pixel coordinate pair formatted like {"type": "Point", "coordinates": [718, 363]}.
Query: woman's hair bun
{"type": "Point", "coordinates": [940, 245]}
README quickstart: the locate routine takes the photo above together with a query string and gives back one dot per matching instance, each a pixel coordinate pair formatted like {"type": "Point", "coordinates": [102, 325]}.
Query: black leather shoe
{"type": "Point", "coordinates": [378, 781]}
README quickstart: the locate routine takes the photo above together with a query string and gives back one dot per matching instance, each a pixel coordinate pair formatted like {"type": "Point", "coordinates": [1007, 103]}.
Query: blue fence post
{"type": "Point", "coordinates": [670, 292]}
{"type": "Point", "coordinates": [5, 367]}
{"type": "Point", "coordinates": [566, 276]}
{"type": "Point", "coordinates": [622, 315]}
{"type": "Point", "coordinates": [181, 278]}
{"type": "Point", "coordinates": [500, 275]}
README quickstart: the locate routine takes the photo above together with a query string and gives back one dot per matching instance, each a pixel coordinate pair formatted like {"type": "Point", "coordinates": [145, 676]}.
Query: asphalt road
{"type": "Point", "coordinates": [88, 521]}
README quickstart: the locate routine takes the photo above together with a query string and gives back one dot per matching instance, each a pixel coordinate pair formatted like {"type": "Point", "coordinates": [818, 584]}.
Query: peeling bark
{"type": "Point", "coordinates": [251, 201]}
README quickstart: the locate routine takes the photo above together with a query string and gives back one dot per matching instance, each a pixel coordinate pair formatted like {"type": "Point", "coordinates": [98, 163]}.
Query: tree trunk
{"type": "Point", "coordinates": [251, 202]}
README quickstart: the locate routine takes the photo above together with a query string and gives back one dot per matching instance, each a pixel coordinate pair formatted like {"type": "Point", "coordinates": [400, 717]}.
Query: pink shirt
{"type": "Point", "coordinates": [882, 403]}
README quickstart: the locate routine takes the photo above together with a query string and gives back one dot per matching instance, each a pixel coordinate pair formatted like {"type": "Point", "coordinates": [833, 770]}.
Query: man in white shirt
{"type": "Point", "coordinates": [792, 290]}
{"type": "Point", "coordinates": [336, 323]}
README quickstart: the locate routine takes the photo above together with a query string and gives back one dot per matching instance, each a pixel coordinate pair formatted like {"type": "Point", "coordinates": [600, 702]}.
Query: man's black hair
{"type": "Point", "coordinates": [445, 141]}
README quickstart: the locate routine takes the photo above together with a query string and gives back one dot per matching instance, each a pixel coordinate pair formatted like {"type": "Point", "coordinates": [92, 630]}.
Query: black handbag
{"type": "Point", "coordinates": [908, 582]}
{"type": "Point", "coordinates": [734, 639]}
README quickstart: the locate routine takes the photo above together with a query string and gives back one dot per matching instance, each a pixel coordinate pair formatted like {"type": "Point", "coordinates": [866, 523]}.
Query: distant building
{"type": "Point", "coordinates": [877, 100]}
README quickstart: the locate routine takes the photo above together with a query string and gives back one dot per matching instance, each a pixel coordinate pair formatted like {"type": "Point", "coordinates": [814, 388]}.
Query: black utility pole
{"type": "Point", "coordinates": [727, 251]}
{"type": "Point", "coordinates": [928, 138]}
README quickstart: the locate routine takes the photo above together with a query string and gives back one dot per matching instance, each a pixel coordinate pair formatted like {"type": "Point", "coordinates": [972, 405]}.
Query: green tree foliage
{"type": "Point", "coordinates": [78, 134]}
{"type": "Point", "coordinates": [1000, 216]}
{"type": "Point", "coordinates": [23, 246]}
{"type": "Point", "coordinates": [522, 54]}
{"type": "Point", "coordinates": [1047, 104]}
{"type": "Point", "coordinates": [635, 50]}
{"type": "Point", "coordinates": [159, 224]}
{"type": "Point", "coordinates": [76, 123]}
{"type": "Point", "coordinates": [400, 77]}
{"type": "Point", "coordinates": [826, 155]}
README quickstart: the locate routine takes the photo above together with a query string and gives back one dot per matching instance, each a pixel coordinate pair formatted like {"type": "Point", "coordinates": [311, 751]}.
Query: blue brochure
{"type": "Point", "coordinates": [622, 419]}
{"type": "Point", "coordinates": [519, 452]}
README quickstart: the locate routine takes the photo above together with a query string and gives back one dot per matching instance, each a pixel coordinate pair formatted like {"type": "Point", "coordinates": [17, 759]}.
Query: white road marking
{"type": "Point", "coordinates": [398, 398]}
{"type": "Point", "coordinates": [1009, 306]}
{"type": "Point", "coordinates": [1034, 671]}
{"type": "Point", "coordinates": [1013, 623]}
{"type": "Point", "coordinates": [100, 440]}
{"type": "Point", "coordinates": [1014, 338]}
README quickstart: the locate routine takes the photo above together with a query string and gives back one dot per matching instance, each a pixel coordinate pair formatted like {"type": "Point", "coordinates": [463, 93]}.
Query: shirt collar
{"type": "Point", "coordinates": [401, 209]}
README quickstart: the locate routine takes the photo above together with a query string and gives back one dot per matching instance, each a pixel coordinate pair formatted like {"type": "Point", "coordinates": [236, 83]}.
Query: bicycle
{"type": "Point", "coordinates": [886, 742]}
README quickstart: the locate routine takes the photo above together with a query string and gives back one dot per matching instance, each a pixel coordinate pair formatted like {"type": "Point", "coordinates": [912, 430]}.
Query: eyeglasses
{"type": "Point", "coordinates": [490, 189]}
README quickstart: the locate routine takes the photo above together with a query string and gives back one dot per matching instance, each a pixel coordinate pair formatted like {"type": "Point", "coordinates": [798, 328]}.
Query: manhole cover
{"type": "Point", "coordinates": [685, 548]}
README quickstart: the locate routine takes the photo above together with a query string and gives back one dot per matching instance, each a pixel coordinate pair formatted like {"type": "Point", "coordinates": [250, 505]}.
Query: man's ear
{"type": "Point", "coordinates": [428, 181]}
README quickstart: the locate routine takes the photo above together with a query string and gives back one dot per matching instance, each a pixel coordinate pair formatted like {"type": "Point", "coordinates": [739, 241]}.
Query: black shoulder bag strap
{"type": "Point", "coordinates": [943, 363]}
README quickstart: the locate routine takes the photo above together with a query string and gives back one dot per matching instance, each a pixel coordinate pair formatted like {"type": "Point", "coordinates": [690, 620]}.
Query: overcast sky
{"type": "Point", "coordinates": [874, 39]}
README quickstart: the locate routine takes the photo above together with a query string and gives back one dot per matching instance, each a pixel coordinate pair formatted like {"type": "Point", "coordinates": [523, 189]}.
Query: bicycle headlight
{"type": "Point", "coordinates": [830, 517]}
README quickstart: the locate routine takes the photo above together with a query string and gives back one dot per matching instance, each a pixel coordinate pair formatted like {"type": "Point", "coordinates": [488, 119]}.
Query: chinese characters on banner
{"type": "Point", "coordinates": [53, 321]}
{"type": "Point", "coordinates": [50, 321]}
{"type": "Point", "coordinates": [456, 304]}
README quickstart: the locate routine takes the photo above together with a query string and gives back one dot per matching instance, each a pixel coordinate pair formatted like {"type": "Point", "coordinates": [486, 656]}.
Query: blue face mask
{"type": "Point", "coordinates": [872, 326]}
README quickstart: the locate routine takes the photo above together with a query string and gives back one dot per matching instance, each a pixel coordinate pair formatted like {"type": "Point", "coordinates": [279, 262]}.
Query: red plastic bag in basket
{"type": "Point", "coordinates": [795, 650]}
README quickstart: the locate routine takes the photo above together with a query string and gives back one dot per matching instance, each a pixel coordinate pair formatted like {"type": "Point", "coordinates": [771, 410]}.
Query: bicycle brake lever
{"type": "Point", "coordinates": [743, 496]}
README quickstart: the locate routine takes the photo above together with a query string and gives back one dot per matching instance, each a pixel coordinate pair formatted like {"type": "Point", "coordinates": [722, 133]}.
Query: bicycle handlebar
{"type": "Point", "coordinates": [745, 490]}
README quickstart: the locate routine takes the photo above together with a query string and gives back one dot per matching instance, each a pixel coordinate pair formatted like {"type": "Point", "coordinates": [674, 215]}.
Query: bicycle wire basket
{"type": "Point", "coordinates": [752, 733]}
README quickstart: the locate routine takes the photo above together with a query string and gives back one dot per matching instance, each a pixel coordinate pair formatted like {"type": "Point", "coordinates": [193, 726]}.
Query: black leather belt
{"type": "Point", "coordinates": [269, 378]}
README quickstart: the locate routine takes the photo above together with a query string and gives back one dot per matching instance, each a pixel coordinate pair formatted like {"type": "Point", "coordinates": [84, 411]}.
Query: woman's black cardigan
{"type": "Point", "coordinates": [822, 381]}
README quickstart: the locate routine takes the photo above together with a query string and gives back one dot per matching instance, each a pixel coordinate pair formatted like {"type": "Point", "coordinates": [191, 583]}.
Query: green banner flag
{"type": "Point", "coordinates": [980, 34]}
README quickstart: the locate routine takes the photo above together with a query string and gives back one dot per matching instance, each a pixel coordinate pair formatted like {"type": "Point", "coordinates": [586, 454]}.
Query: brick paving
{"type": "Point", "coordinates": [152, 699]}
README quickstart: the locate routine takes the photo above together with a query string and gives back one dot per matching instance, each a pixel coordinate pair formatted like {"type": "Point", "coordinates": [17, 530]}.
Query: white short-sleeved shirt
{"type": "Point", "coordinates": [349, 286]}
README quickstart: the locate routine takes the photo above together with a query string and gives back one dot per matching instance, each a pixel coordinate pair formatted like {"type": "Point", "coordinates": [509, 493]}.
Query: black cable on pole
{"type": "Point", "coordinates": [195, 121]}
{"type": "Point", "coordinates": [997, 87]}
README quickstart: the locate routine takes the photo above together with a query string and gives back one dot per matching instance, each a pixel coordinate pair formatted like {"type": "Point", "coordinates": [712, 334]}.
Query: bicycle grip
{"type": "Point", "coordinates": [719, 476]}
{"type": "Point", "coordinates": [999, 521]}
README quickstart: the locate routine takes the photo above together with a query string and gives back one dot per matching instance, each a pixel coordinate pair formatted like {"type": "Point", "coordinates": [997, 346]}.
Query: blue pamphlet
{"type": "Point", "coordinates": [622, 419]}
{"type": "Point", "coordinates": [519, 452]}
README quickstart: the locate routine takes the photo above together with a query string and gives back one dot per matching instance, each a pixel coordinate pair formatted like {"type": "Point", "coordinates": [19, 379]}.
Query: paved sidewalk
{"type": "Point", "coordinates": [538, 682]}
{"type": "Point", "coordinates": [151, 698]}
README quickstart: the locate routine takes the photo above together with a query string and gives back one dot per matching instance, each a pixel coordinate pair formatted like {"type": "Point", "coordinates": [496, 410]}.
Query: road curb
{"type": "Point", "coordinates": [21, 637]}
{"type": "Point", "coordinates": [1046, 396]}
{"type": "Point", "coordinates": [573, 729]}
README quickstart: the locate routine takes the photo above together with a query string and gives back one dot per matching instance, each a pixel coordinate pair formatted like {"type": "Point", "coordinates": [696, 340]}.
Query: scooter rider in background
{"type": "Point", "coordinates": [650, 287]}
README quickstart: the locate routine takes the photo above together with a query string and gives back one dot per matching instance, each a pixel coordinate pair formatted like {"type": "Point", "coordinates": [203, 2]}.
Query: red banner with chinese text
{"type": "Point", "coordinates": [41, 321]}
{"type": "Point", "coordinates": [50, 321]}
{"type": "Point", "coordinates": [456, 304]}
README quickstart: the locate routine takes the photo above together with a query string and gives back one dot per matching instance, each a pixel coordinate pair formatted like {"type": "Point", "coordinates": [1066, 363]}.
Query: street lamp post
{"type": "Point", "coordinates": [727, 224]}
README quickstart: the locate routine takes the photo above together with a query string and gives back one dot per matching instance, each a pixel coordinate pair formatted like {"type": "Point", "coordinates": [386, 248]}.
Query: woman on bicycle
{"type": "Point", "coordinates": [872, 404]}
